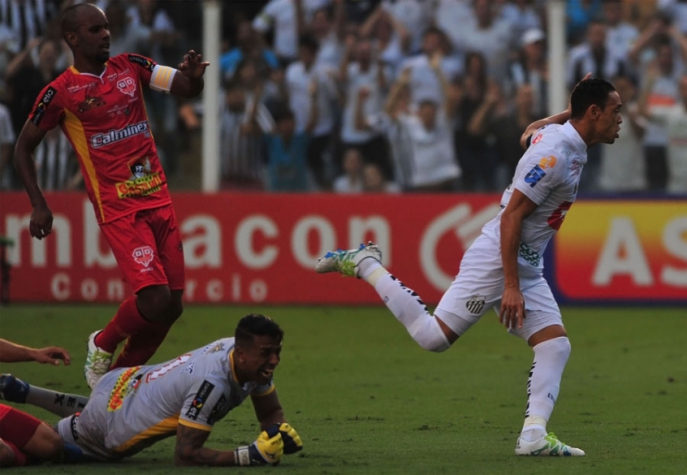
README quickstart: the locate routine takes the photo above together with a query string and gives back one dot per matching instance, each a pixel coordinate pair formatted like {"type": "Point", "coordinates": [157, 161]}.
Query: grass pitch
{"type": "Point", "coordinates": [366, 399]}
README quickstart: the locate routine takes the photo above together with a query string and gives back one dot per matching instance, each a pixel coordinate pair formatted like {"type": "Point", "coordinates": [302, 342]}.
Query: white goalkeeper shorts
{"type": "Point", "coordinates": [478, 287]}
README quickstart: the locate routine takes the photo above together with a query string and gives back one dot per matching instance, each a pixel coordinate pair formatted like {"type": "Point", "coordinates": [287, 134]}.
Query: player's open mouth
{"type": "Point", "coordinates": [105, 47]}
{"type": "Point", "coordinates": [267, 373]}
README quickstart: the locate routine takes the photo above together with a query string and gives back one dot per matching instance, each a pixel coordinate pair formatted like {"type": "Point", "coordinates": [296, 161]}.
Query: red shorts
{"type": "Point", "coordinates": [17, 427]}
{"type": "Point", "coordinates": [147, 246]}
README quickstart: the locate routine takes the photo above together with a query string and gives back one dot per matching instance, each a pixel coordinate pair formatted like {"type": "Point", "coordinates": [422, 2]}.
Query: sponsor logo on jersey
{"type": "Point", "coordinates": [142, 181]}
{"type": "Point", "coordinates": [547, 162]}
{"type": "Point", "coordinates": [91, 103]}
{"type": "Point", "coordinates": [42, 105]}
{"type": "Point", "coordinates": [142, 61]}
{"type": "Point", "coordinates": [555, 221]}
{"type": "Point", "coordinates": [537, 139]}
{"type": "Point", "coordinates": [476, 304]}
{"type": "Point", "coordinates": [127, 86]}
{"type": "Point", "coordinates": [217, 410]}
{"type": "Point", "coordinates": [125, 385]}
{"type": "Point", "coordinates": [534, 176]}
{"type": "Point", "coordinates": [108, 138]}
{"type": "Point", "coordinates": [143, 255]}
{"type": "Point", "coordinates": [75, 434]}
{"type": "Point", "coordinates": [199, 401]}
{"type": "Point", "coordinates": [530, 256]}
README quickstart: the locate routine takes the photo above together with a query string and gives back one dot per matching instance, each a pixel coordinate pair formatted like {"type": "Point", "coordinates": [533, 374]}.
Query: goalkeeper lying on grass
{"type": "Point", "coordinates": [132, 408]}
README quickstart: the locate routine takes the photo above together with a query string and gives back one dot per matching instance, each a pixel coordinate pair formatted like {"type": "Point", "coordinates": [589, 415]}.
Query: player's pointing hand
{"type": "Point", "coordinates": [41, 221]}
{"type": "Point", "coordinates": [192, 66]}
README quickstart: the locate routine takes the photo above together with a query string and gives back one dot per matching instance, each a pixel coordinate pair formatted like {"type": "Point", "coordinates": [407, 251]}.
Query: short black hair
{"type": "Point", "coordinates": [308, 41]}
{"type": "Point", "coordinates": [593, 91]}
{"type": "Point", "coordinates": [253, 325]}
{"type": "Point", "coordinates": [70, 17]}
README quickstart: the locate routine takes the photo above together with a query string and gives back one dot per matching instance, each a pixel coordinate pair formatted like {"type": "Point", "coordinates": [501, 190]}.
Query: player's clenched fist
{"type": "Point", "coordinates": [292, 441]}
{"type": "Point", "coordinates": [267, 449]}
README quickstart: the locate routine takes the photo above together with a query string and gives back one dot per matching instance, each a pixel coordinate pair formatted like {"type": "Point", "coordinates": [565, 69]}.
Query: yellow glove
{"type": "Point", "coordinates": [292, 441]}
{"type": "Point", "coordinates": [267, 449]}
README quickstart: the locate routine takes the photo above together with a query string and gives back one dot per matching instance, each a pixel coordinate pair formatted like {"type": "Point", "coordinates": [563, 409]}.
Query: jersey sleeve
{"type": "Point", "coordinates": [157, 77]}
{"type": "Point", "coordinates": [540, 176]}
{"type": "Point", "coordinates": [204, 404]}
{"type": "Point", "coordinates": [47, 110]}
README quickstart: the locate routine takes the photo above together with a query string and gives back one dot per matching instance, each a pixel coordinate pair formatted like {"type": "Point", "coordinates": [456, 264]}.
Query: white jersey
{"type": "Point", "coordinates": [548, 174]}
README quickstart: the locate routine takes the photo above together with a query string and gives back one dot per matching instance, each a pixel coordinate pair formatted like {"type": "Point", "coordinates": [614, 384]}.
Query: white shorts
{"type": "Point", "coordinates": [478, 287]}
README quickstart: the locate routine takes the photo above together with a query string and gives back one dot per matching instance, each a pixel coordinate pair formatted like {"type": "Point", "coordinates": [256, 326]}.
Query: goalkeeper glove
{"type": "Point", "coordinates": [292, 441]}
{"type": "Point", "coordinates": [267, 449]}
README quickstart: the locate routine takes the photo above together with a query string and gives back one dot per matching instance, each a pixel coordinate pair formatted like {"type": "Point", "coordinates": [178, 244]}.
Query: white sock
{"type": "Point", "coordinates": [550, 358]}
{"type": "Point", "coordinates": [367, 266]}
{"type": "Point", "coordinates": [408, 309]}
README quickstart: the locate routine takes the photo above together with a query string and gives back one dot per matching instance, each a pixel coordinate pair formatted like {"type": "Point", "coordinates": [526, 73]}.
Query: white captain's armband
{"type": "Point", "coordinates": [161, 79]}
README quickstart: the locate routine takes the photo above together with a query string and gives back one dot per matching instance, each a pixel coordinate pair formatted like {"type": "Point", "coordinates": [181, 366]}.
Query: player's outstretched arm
{"type": "Point", "coordinates": [189, 451]}
{"type": "Point", "coordinates": [13, 353]}
{"type": "Point", "coordinates": [41, 217]}
{"type": "Point", "coordinates": [189, 81]}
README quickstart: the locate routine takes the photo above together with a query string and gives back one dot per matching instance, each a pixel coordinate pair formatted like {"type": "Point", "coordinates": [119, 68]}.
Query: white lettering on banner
{"type": "Point", "coordinates": [466, 228]}
{"type": "Point", "coordinates": [622, 254]}
{"type": "Point", "coordinates": [235, 287]}
{"type": "Point", "coordinates": [190, 290]}
{"type": "Point", "coordinates": [202, 249]}
{"type": "Point", "coordinates": [61, 236]}
{"type": "Point", "coordinates": [675, 243]}
{"type": "Point", "coordinates": [243, 242]}
{"type": "Point", "coordinates": [214, 290]}
{"type": "Point", "coordinates": [115, 290]}
{"type": "Point", "coordinates": [378, 226]}
{"type": "Point", "coordinates": [89, 289]}
{"type": "Point", "coordinates": [59, 286]}
{"type": "Point", "coordinates": [299, 239]}
{"type": "Point", "coordinates": [258, 290]}
{"type": "Point", "coordinates": [92, 238]}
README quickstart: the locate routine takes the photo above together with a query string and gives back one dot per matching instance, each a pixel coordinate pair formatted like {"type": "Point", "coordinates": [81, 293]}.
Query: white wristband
{"type": "Point", "coordinates": [242, 456]}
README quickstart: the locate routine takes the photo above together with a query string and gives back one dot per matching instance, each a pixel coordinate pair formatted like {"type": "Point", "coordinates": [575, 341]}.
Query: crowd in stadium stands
{"type": "Point", "coordinates": [375, 95]}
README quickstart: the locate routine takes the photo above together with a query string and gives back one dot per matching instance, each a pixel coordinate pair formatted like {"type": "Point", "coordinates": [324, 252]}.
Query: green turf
{"type": "Point", "coordinates": [366, 399]}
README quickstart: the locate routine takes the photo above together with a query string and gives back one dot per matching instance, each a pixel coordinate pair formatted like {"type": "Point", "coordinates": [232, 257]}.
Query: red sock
{"type": "Point", "coordinates": [127, 321]}
{"type": "Point", "coordinates": [141, 346]}
{"type": "Point", "coordinates": [19, 457]}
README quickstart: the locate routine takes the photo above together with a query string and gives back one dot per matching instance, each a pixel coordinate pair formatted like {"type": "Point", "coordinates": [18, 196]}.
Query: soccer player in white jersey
{"type": "Point", "coordinates": [132, 408]}
{"type": "Point", "coordinates": [503, 268]}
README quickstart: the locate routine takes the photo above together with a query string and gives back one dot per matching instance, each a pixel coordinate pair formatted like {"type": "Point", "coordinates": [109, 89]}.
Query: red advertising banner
{"type": "Point", "coordinates": [629, 251]}
{"type": "Point", "coordinates": [244, 248]}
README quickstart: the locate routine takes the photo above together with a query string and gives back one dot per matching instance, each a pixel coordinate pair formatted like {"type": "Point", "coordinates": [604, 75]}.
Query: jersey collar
{"type": "Point", "coordinates": [73, 69]}
{"type": "Point", "coordinates": [570, 131]}
{"type": "Point", "coordinates": [231, 365]}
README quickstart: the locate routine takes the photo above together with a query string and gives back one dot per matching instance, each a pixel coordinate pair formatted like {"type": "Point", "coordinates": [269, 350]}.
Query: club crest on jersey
{"type": "Point", "coordinates": [127, 86]}
{"type": "Point", "coordinates": [143, 255]}
{"type": "Point", "coordinates": [475, 304]}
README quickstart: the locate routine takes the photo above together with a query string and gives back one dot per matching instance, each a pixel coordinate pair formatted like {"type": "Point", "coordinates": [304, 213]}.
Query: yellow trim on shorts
{"type": "Point", "coordinates": [195, 425]}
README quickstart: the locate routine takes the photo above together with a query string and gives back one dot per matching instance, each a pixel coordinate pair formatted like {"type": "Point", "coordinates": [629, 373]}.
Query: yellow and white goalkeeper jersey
{"type": "Point", "coordinates": [132, 408]}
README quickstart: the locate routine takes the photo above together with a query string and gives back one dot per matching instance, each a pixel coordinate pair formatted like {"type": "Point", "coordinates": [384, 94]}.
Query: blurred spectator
{"type": "Point", "coordinates": [532, 68]}
{"type": "Point", "coordinates": [56, 165]}
{"type": "Point", "coordinates": [594, 56]}
{"type": "Point", "coordinates": [424, 82]}
{"type": "Point", "coordinates": [151, 15]}
{"type": "Point", "coordinates": [329, 29]}
{"type": "Point", "coordinates": [375, 182]}
{"type": "Point", "coordinates": [659, 32]}
{"type": "Point", "coordinates": [427, 132]}
{"type": "Point", "coordinates": [622, 164]}
{"type": "Point", "coordinates": [352, 179]}
{"type": "Point", "coordinates": [522, 16]}
{"type": "Point", "coordinates": [124, 37]}
{"type": "Point", "coordinates": [189, 14]}
{"type": "Point", "coordinates": [619, 34]}
{"type": "Point", "coordinates": [25, 20]}
{"type": "Point", "coordinates": [676, 9]}
{"type": "Point", "coordinates": [7, 139]}
{"type": "Point", "coordinates": [242, 123]}
{"type": "Point", "coordinates": [660, 91]}
{"type": "Point", "coordinates": [357, 11]}
{"type": "Point", "coordinates": [390, 38]}
{"type": "Point", "coordinates": [287, 150]}
{"type": "Point", "coordinates": [488, 35]}
{"type": "Point", "coordinates": [301, 76]}
{"type": "Point", "coordinates": [414, 15]}
{"type": "Point", "coordinates": [248, 46]}
{"type": "Point", "coordinates": [25, 80]}
{"type": "Point", "coordinates": [372, 76]}
{"type": "Point", "coordinates": [674, 120]}
{"type": "Point", "coordinates": [288, 20]}
{"type": "Point", "coordinates": [580, 13]}
{"type": "Point", "coordinates": [475, 159]}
